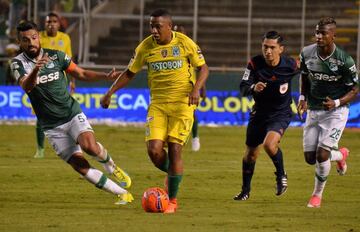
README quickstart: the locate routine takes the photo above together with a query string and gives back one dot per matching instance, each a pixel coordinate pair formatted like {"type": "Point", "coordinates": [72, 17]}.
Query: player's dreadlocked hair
{"type": "Point", "coordinates": [273, 35]}
{"type": "Point", "coordinates": [326, 21]}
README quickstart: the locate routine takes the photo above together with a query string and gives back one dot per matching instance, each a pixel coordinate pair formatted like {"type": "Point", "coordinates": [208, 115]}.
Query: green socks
{"type": "Point", "coordinates": [40, 136]}
{"type": "Point", "coordinates": [194, 129]}
{"type": "Point", "coordinates": [173, 185]}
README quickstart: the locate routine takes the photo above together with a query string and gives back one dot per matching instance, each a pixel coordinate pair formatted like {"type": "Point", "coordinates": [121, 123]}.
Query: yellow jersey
{"type": "Point", "coordinates": [170, 67]}
{"type": "Point", "coordinates": [60, 42]}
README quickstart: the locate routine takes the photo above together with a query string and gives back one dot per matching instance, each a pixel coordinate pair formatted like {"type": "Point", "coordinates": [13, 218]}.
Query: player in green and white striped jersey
{"type": "Point", "coordinates": [40, 73]}
{"type": "Point", "coordinates": [329, 82]}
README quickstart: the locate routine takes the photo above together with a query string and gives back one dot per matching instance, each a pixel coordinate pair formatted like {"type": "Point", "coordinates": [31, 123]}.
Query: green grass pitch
{"type": "Point", "coordinates": [47, 195]}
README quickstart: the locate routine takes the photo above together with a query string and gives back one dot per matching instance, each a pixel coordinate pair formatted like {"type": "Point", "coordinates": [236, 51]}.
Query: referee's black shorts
{"type": "Point", "coordinates": [259, 127]}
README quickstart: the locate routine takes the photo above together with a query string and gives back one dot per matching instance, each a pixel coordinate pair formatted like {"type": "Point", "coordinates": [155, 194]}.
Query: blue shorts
{"type": "Point", "coordinates": [259, 127]}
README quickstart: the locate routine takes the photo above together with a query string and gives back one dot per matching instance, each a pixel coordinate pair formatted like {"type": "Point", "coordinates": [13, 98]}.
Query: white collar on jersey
{"type": "Point", "coordinates": [323, 59]}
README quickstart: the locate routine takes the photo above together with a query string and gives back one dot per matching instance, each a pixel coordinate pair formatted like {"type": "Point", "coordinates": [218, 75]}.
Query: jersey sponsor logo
{"type": "Point", "coordinates": [166, 65]}
{"type": "Point", "coordinates": [48, 78]}
{"type": "Point", "coordinates": [325, 77]}
{"type": "Point", "coordinates": [164, 53]}
{"type": "Point", "coordinates": [283, 88]}
{"type": "Point", "coordinates": [176, 51]}
{"type": "Point", "coordinates": [246, 75]}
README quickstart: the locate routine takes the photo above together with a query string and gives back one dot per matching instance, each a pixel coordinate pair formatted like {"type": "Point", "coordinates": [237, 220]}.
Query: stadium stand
{"type": "Point", "coordinates": [222, 28]}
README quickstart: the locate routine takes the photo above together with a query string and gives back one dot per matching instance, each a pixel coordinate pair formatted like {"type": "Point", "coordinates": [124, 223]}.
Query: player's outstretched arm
{"type": "Point", "coordinates": [119, 83]}
{"type": "Point", "coordinates": [89, 75]}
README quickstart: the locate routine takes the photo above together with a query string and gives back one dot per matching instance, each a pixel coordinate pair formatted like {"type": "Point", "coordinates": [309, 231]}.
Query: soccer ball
{"type": "Point", "coordinates": [155, 200]}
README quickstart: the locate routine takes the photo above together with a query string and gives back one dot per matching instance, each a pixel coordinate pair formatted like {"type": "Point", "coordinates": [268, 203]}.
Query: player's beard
{"type": "Point", "coordinates": [33, 53]}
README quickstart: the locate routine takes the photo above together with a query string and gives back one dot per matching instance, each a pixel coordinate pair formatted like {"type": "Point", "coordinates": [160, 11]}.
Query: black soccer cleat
{"type": "Point", "coordinates": [242, 196]}
{"type": "Point", "coordinates": [281, 184]}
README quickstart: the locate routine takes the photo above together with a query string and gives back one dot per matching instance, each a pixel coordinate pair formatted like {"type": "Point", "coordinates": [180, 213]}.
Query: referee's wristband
{"type": "Point", "coordinates": [301, 98]}
{"type": "Point", "coordinates": [337, 102]}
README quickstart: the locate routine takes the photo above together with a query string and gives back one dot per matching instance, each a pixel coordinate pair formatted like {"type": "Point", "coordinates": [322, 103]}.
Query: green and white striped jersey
{"type": "Point", "coordinates": [50, 98]}
{"type": "Point", "coordinates": [331, 77]}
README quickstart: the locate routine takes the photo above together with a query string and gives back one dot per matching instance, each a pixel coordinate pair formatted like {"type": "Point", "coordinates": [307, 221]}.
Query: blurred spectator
{"type": "Point", "coordinates": [11, 50]}
{"type": "Point", "coordinates": [60, 7]}
{"type": "Point", "coordinates": [17, 12]}
{"type": "Point", "coordinates": [67, 5]}
{"type": "Point", "coordinates": [180, 28]}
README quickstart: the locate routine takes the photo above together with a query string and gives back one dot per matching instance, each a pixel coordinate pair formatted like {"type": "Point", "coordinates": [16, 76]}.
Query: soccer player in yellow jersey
{"type": "Point", "coordinates": [174, 91]}
{"type": "Point", "coordinates": [52, 38]}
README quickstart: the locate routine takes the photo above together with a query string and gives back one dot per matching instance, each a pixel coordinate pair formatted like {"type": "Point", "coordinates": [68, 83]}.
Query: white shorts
{"type": "Point", "coordinates": [64, 137]}
{"type": "Point", "coordinates": [324, 128]}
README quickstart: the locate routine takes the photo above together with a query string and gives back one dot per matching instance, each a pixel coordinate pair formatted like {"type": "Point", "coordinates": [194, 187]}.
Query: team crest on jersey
{"type": "Point", "coordinates": [283, 88]}
{"type": "Point", "coordinates": [54, 57]}
{"type": "Point", "coordinates": [175, 51]}
{"type": "Point", "coordinates": [333, 67]}
{"type": "Point", "coordinates": [61, 43]}
{"type": "Point", "coordinates": [164, 53]}
{"type": "Point", "coordinates": [50, 65]}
